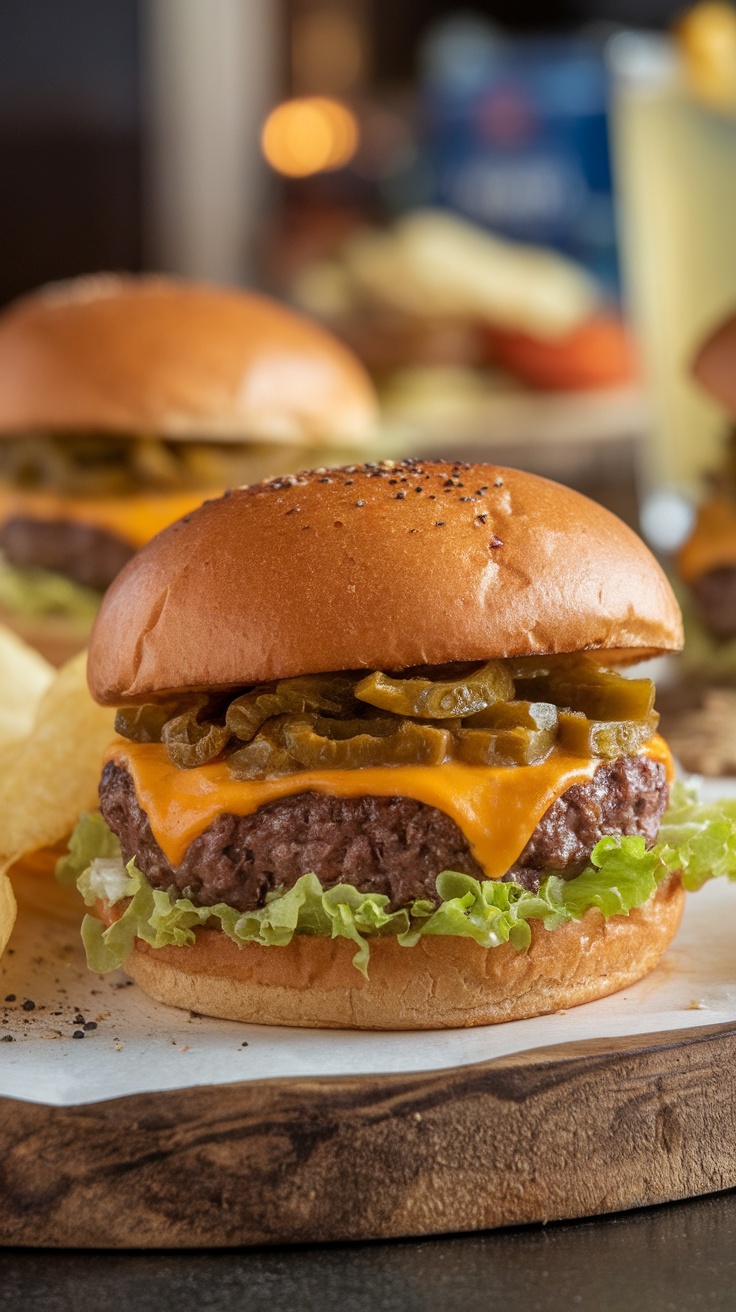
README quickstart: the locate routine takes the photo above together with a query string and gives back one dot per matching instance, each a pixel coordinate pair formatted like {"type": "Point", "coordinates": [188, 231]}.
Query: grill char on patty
{"type": "Point", "coordinates": [80, 552]}
{"type": "Point", "coordinates": [390, 845]}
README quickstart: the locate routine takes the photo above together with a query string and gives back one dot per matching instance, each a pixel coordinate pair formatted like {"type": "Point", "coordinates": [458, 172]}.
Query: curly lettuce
{"type": "Point", "coordinates": [695, 839]}
{"type": "Point", "coordinates": [31, 593]}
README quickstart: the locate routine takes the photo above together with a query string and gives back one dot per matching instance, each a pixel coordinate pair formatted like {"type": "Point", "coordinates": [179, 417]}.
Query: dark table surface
{"type": "Point", "coordinates": [666, 1259]}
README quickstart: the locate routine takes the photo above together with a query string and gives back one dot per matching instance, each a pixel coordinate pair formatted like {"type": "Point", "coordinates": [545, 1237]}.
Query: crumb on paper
{"type": "Point", "coordinates": [185, 1048]}
{"type": "Point", "coordinates": [695, 1004]}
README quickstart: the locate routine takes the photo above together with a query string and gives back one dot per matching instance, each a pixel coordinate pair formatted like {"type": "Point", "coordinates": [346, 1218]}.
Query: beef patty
{"type": "Point", "coordinates": [390, 845]}
{"type": "Point", "coordinates": [714, 595]}
{"type": "Point", "coordinates": [88, 555]}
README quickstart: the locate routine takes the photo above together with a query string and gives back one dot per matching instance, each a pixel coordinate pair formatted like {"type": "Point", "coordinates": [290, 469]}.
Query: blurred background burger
{"type": "Point", "coordinates": [124, 402]}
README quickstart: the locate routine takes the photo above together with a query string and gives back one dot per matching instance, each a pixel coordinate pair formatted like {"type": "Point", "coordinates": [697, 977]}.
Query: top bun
{"type": "Point", "coordinates": [714, 365]}
{"type": "Point", "coordinates": [378, 567]}
{"type": "Point", "coordinates": [181, 360]}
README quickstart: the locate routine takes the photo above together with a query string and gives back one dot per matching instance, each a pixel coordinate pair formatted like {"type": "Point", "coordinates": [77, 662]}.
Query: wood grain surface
{"type": "Point", "coordinates": [570, 1131]}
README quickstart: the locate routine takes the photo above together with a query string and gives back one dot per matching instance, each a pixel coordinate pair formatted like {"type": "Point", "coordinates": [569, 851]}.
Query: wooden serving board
{"type": "Point", "coordinates": [575, 1130]}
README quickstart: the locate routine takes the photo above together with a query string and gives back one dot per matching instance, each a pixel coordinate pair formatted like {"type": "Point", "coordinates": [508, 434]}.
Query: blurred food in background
{"type": "Point", "coordinates": [706, 561]}
{"type": "Point", "coordinates": [464, 330]}
{"type": "Point", "coordinates": [434, 289]}
{"type": "Point", "coordinates": [124, 402]}
{"type": "Point", "coordinates": [458, 232]}
{"type": "Point", "coordinates": [700, 711]}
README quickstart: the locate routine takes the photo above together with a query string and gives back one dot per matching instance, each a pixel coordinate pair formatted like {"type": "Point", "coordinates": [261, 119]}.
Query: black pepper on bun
{"type": "Point", "coordinates": [374, 756]}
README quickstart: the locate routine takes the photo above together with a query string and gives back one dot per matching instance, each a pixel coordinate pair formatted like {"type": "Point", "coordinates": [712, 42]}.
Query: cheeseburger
{"type": "Point", "coordinates": [707, 560]}
{"type": "Point", "coordinates": [375, 767]}
{"type": "Point", "coordinates": [123, 402]}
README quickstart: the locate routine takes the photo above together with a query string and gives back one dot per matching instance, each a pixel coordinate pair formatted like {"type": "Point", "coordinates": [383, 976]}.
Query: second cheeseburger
{"type": "Point", "coordinates": [124, 402]}
{"type": "Point", "coordinates": [373, 768]}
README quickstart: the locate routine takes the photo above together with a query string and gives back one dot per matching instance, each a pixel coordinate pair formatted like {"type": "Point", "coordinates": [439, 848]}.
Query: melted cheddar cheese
{"type": "Point", "coordinates": [496, 808]}
{"type": "Point", "coordinates": [135, 518]}
{"type": "Point", "coordinates": [712, 542]}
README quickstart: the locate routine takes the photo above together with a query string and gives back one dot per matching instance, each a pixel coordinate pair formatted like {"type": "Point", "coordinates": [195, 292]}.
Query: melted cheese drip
{"type": "Point", "coordinates": [135, 518]}
{"type": "Point", "coordinates": [496, 808]}
{"type": "Point", "coordinates": [712, 542]}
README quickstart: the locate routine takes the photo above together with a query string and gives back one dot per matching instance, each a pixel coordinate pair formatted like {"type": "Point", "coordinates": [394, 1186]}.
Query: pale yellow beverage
{"type": "Point", "coordinates": [675, 161]}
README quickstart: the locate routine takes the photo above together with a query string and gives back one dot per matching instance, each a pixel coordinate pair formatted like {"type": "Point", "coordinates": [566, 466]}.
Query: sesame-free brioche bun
{"type": "Point", "coordinates": [378, 567]}
{"type": "Point", "coordinates": [440, 983]}
{"type": "Point", "coordinates": [714, 366]}
{"type": "Point", "coordinates": [158, 356]}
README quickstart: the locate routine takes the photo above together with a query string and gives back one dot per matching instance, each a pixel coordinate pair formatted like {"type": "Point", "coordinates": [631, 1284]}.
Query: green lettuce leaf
{"type": "Point", "coordinates": [32, 592]}
{"type": "Point", "coordinates": [697, 839]}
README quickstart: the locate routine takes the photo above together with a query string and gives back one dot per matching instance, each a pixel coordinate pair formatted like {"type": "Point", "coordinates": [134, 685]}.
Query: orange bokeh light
{"type": "Point", "coordinates": [310, 135]}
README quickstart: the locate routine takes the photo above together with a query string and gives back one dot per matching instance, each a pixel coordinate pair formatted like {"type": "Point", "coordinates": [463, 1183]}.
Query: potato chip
{"type": "Point", "coordinates": [52, 775]}
{"type": "Point", "coordinates": [24, 678]}
{"type": "Point", "coordinates": [7, 910]}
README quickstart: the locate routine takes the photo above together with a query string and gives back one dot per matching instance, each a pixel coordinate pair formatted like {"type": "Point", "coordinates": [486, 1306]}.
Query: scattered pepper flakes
{"type": "Point", "coordinates": [495, 541]}
{"type": "Point", "coordinates": [28, 1005]}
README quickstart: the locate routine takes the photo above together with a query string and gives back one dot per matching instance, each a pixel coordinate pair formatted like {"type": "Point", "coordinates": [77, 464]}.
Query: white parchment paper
{"type": "Point", "coordinates": [125, 1043]}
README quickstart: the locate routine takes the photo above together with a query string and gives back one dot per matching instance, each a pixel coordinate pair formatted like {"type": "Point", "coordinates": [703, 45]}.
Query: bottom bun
{"type": "Point", "coordinates": [54, 636]}
{"type": "Point", "coordinates": [442, 983]}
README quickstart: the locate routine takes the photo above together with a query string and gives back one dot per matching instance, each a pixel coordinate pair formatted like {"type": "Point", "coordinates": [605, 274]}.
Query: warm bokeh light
{"type": "Point", "coordinates": [309, 135]}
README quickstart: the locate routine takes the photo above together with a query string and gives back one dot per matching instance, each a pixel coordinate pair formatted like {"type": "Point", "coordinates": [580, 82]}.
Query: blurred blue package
{"type": "Point", "coordinates": [516, 134]}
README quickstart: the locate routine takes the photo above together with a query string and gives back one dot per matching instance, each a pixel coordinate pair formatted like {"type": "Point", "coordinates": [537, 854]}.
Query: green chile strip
{"type": "Point", "coordinates": [438, 700]}
{"type": "Point", "coordinates": [579, 685]}
{"type": "Point", "coordinates": [331, 693]}
{"type": "Point", "coordinates": [405, 744]}
{"type": "Point", "coordinates": [190, 743]}
{"type": "Point", "coordinates": [334, 721]}
{"type": "Point", "coordinates": [606, 738]}
{"type": "Point", "coordinates": [144, 724]}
